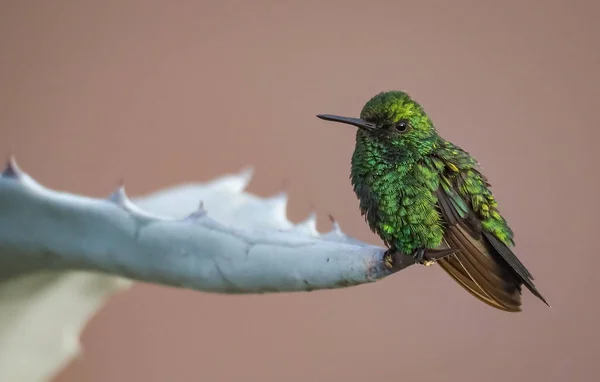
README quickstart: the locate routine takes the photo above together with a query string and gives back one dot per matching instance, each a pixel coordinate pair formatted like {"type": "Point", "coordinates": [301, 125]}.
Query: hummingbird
{"type": "Point", "coordinates": [427, 198]}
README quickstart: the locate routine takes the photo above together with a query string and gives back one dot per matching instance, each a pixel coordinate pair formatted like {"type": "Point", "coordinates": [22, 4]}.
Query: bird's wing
{"type": "Point", "coordinates": [485, 266]}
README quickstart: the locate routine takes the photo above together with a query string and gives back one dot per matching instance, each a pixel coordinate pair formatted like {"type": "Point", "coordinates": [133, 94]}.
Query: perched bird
{"type": "Point", "coordinates": [426, 197]}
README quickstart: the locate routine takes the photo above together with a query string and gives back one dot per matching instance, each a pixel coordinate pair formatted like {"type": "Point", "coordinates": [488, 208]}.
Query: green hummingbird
{"type": "Point", "coordinates": [427, 198]}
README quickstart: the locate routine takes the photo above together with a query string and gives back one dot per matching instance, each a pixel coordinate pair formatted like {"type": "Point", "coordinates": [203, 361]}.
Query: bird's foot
{"type": "Point", "coordinates": [423, 256]}
{"type": "Point", "coordinates": [420, 257]}
{"type": "Point", "coordinates": [428, 256]}
{"type": "Point", "coordinates": [388, 259]}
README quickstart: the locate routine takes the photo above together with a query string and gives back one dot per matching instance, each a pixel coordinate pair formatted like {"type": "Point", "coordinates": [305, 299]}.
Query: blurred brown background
{"type": "Point", "coordinates": [165, 92]}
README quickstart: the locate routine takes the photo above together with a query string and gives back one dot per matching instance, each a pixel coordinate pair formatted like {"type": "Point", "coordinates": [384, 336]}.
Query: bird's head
{"type": "Point", "coordinates": [394, 121]}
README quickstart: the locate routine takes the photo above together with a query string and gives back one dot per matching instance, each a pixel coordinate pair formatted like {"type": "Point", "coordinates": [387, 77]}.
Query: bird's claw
{"type": "Point", "coordinates": [423, 256]}
{"type": "Point", "coordinates": [427, 256]}
{"type": "Point", "coordinates": [420, 257]}
{"type": "Point", "coordinates": [388, 260]}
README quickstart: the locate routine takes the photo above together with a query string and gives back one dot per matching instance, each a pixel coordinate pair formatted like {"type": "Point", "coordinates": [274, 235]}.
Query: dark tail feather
{"type": "Point", "coordinates": [484, 266]}
{"type": "Point", "coordinates": [482, 272]}
{"type": "Point", "coordinates": [515, 264]}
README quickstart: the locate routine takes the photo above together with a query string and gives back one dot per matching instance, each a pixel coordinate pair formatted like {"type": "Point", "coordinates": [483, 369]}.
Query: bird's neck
{"type": "Point", "coordinates": [373, 165]}
{"type": "Point", "coordinates": [377, 165]}
{"type": "Point", "coordinates": [372, 157]}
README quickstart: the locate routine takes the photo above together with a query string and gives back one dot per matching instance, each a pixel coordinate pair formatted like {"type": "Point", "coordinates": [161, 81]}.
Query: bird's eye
{"type": "Point", "coordinates": [402, 126]}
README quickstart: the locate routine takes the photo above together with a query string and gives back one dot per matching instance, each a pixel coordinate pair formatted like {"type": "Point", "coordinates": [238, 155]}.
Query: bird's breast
{"type": "Point", "coordinates": [397, 201]}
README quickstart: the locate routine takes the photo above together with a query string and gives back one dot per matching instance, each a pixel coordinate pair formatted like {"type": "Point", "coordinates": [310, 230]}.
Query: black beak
{"type": "Point", "coordinates": [364, 125]}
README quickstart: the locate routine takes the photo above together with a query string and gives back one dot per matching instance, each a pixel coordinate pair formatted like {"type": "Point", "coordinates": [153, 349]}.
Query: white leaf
{"type": "Point", "coordinates": [209, 237]}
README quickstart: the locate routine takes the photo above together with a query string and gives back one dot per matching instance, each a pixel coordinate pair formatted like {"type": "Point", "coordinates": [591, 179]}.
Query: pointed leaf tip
{"type": "Point", "coordinates": [335, 227]}
{"type": "Point", "coordinates": [308, 225]}
{"type": "Point", "coordinates": [200, 212]}
{"type": "Point", "coordinates": [119, 196]}
{"type": "Point", "coordinates": [246, 175]}
{"type": "Point", "coordinates": [278, 198]}
{"type": "Point", "coordinates": [11, 169]}
{"type": "Point", "coordinates": [237, 182]}
{"type": "Point", "coordinates": [196, 215]}
{"type": "Point", "coordinates": [311, 219]}
{"type": "Point", "coordinates": [201, 208]}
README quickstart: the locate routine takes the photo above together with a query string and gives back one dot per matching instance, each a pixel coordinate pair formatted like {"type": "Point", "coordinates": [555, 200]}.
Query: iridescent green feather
{"type": "Point", "coordinates": [463, 181]}
{"type": "Point", "coordinates": [398, 200]}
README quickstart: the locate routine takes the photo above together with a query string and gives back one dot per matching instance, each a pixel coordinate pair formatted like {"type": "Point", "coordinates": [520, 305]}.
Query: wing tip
{"type": "Point", "coordinates": [536, 293]}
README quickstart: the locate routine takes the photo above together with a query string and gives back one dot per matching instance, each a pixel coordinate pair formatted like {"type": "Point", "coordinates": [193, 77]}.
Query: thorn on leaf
{"type": "Point", "coordinates": [200, 212]}
{"type": "Point", "coordinates": [335, 225]}
{"type": "Point", "coordinates": [12, 170]}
